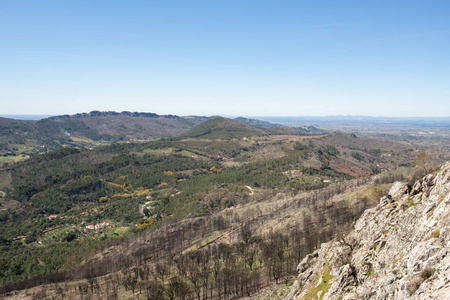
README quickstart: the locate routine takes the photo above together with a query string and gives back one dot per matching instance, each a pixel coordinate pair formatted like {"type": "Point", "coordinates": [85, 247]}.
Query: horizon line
{"type": "Point", "coordinates": [43, 116]}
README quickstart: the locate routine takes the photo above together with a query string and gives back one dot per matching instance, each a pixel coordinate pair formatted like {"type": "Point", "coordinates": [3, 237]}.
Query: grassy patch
{"type": "Point", "coordinates": [81, 140]}
{"type": "Point", "coordinates": [435, 234]}
{"type": "Point", "coordinates": [323, 287]}
{"type": "Point", "coordinates": [411, 203]}
{"type": "Point", "coordinates": [371, 271]}
{"type": "Point", "coordinates": [7, 159]}
{"type": "Point", "coordinates": [58, 234]}
{"type": "Point", "coordinates": [438, 171]}
{"type": "Point", "coordinates": [159, 151]}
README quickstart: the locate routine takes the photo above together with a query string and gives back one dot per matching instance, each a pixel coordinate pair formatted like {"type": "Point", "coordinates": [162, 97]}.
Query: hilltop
{"type": "Point", "coordinates": [223, 128]}
{"type": "Point", "coordinates": [239, 128]}
{"type": "Point", "coordinates": [127, 125]}
{"type": "Point", "coordinates": [281, 129]}
{"type": "Point", "coordinates": [257, 123]}
{"type": "Point", "coordinates": [116, 126]}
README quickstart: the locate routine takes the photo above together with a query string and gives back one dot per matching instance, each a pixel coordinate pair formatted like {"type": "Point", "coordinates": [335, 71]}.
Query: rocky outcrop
{"type": "Point", "coordinates": [96, 113]}
{"type": "Point", "coordinates": [398, 250]}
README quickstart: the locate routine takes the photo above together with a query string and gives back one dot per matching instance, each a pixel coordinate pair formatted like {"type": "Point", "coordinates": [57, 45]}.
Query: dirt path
{"type": "Point", "coordinates": [141, 208]}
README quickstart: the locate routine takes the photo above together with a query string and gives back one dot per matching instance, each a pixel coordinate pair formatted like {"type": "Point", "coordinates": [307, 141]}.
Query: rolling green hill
{"type": "Point", "coordinates": [223, 128]}
{"type": "Point", "coordinates": [256, 123]}
{"type": "Point", "coordinates": [274, 128]}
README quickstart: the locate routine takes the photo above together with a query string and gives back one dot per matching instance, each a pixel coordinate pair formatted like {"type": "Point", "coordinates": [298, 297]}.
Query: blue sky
{"type": "Point", "coordinates": [262, 58]}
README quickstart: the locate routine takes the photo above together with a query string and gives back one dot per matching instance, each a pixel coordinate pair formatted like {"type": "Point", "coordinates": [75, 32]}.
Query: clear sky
{"type": "Point", "coordinates": [285, 58]}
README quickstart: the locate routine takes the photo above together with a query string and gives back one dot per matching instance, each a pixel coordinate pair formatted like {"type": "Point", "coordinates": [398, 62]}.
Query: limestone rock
{"type": "Point", "coordinates": [306, 262]}
{"type": "Point", "coordinates": [399, 253]}
{"type": "Point", "coordinates": [398, 190]}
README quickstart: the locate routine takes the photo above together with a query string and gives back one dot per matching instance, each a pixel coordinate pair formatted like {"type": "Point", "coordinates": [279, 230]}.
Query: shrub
{"type": "Point", "coordinates": [426, 273]}
{"type": "Point", "coordinates": [414, 284]}
{"type": "Point", "coordinates": [435, 234]}
{"type": "Point", "coordinates": [357, 156]}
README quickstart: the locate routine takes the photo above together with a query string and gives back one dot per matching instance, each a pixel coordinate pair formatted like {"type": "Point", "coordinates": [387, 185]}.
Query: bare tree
{"type": "Point", "coordinates": [342, 236]}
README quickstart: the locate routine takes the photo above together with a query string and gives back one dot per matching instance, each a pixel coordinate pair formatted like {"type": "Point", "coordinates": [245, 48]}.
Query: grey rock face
{"type": "Point", "coordinates": [398, 190]}
{"type": "Point", "coordinates": [306, 262]}
{"type": "Point", "coordinates": [402, 248]}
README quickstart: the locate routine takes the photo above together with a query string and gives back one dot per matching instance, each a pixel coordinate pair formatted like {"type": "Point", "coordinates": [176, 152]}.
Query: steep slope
{"type": "Point", "coordinates": [398, 250]}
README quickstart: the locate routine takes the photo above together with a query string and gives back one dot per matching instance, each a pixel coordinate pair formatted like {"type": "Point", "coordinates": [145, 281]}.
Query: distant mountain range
{"type": "Point", "coordinates": [28, 137]}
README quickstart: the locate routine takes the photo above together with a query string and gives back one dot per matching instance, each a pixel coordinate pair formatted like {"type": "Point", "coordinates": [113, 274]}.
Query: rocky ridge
{"type": "Point", "coordinates": [397, 250]}
{"type": "Point", "coordinates": [96, 113]}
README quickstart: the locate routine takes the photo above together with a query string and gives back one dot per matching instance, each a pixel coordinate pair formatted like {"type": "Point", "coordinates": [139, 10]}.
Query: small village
{"type": "Point", "coordinates": [99, 226]}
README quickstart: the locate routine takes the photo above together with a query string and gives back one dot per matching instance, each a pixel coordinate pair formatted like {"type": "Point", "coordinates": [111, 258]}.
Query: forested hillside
{"type": "Point", "coordinates": [192, 216]}
{"type": "Point", "coordinates": [22, 139]}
